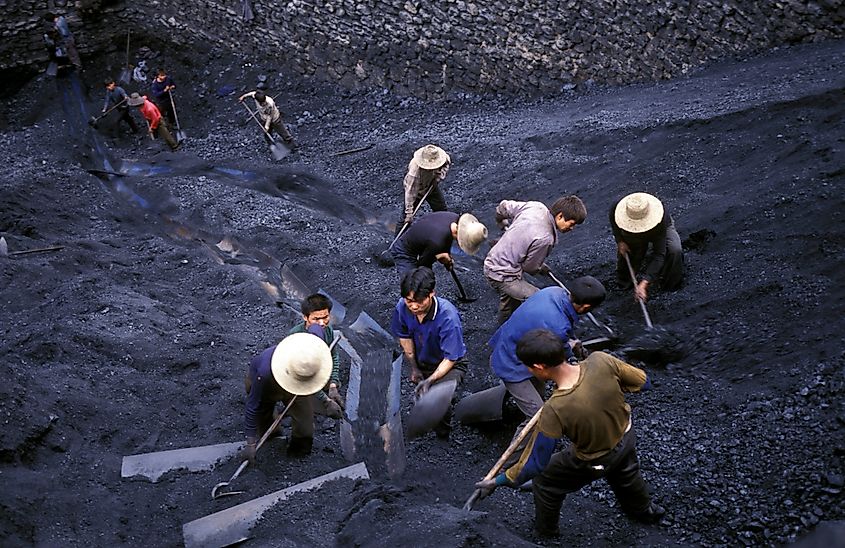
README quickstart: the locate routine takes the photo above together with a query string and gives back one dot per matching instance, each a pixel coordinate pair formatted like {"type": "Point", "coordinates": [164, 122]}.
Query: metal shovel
{"type": "Point", "coordinates": [215, 491]}
{"type": "Point", "coordinates": [463, 294]}
{"type": "Point", "coordinates": [95, 119]}
{"type": "Point", "coordinates": [180, 135]}
{"type": "Point", "coordinates": [126, 74]}
{"type": "Point", "coordinates": [278, 150]}
{"type": "Point", "coordinates": [634, 281]}
{"type": "Point", "coordinates": [505, 456]}
{"type": "Point", "coordinates": [589, 315]}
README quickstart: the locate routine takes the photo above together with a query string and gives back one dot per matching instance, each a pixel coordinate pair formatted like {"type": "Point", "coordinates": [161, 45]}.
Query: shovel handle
{"type": "Point", "coordinates": [176, 116]}
{"type": "Point", "coordinates": [634, 281]}
{"type": "Point", "coordinates": [414, 214]}
{"type": "Point", "coordinates": [505, 456]}
{"type": "Point", "coordinates": [254, 116]}
{"type": "Point", "coordinates": [458, 283]}
{"type": "Point", "coordinates": [589, 315]}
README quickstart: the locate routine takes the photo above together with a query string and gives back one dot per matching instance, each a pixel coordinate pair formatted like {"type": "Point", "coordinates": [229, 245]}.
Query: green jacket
{"type": "Point", "coordinates": [329, 337]}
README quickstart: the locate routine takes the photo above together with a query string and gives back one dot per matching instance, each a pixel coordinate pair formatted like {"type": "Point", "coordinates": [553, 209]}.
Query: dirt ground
{"type": "Point", "coordinates": [135, 335]}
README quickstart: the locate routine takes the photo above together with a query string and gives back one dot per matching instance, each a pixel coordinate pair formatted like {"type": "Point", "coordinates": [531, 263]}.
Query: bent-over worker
{"type": "Point", "coordinates": [153, 116]}
{"type": "Point", "coordinates": [116, 97]}
{"type": "Point", "coordinates": [530, 234]}
{"type": "Point", "coordinates": [639, 223]}
{"type": "Point", "coordinates": [426, 170]}
{"type": "Point", "coordinates": [430, 239]}
{"type": "Point", "coordinates": [271, 117]}
{"type": "Point", "coordinates": [298, 366]}
{"type": "Point", "coordinates": [588, 407]}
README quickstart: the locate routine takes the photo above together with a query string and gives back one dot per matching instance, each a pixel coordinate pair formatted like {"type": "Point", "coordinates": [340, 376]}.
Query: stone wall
{"type": "Point", "coordinates": [510, 46]}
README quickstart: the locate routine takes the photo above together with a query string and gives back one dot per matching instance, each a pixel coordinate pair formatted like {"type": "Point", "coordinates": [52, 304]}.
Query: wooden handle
{"type": "Point", "coordinates": [634, 281]}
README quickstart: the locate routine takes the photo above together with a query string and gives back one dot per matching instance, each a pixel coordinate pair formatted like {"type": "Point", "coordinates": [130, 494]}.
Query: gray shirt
{"type": "Point", "coordinates": [529, 237]}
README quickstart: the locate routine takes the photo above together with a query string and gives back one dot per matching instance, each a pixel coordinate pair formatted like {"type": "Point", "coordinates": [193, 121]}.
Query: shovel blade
{"type": "Point", "coordinates": [279, 151]}
{"type": "Point", "coordinates": [181, 136]}
{"type": "Point", "coordinates": [484, 406]}
{"type": "Point", "coordinates": [194, 459]}
{"type": "Point", "coordinates": [430, 408]}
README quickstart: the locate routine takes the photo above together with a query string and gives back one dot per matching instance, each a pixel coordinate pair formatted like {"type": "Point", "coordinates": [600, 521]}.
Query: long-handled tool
{"type": "Point", "coordinates": [505, 456]}
{"type": "Point", "coordinates": [384, 258]}
{"type": "Point", "coordinates": [278, 150]}
{"type": "Point", "coordinates": [180, 135]}
{"type": "Point", "coordinates": [463, 294]}
{"type": "Point", "coordinates": [589, 315]}
{"type": "Point", "coordinates": [215, 491]}
{"type": "Point", "coordinates": [634, 281]}
{"type": "Point", "coordinates": [95, 119]}
{"type": "Point", "coordinates": [126, 74]}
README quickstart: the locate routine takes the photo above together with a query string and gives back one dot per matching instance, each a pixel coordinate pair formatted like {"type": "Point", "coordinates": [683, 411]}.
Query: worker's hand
{"type": "Point", "coordinates": [416, 374]}
{"type": "Point", "coordinates": [241, 98]}
{"type": "Point", "coordinates": [409, 218]}
{"type": "Point", "coordinates": [578, 349]}
{"type": "Point", "coordinates": [423, 387]}
{"type": "Point", "coordinates": [335, 396]}
{"type": "Point", "coordinates": [248, 452]}
{"type": "Point", "coordinates": [486, 487]}
{"type": "Point", "coordinates": [622, 248]}
{"type": "Point", "coordinates": [446, 260]}
{"type": "Point", "coordinates": [544, 269]}
{"type": "Point", "coordinates": [332, 409]}
{"type": "Point", "coordinates": [641, 291]}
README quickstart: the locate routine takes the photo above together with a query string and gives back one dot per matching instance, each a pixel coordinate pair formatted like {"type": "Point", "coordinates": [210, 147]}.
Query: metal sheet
{"type": "Point", "coordinates": [233, 524]}
{"type": "Point", "coordinates": [483, 406]}
{"type": "Point", "coordinates": [194, 459]}
{"type": "Point", "coordinates": [430, 408]}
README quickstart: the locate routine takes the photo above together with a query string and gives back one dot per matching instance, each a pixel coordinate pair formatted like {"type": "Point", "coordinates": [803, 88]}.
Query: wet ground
{"type": "Point", "coordinates": [134, 336]}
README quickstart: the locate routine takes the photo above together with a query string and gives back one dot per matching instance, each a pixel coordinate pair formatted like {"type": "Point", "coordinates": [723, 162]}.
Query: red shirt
{"type": "Point", "coordinates": [151, 113]}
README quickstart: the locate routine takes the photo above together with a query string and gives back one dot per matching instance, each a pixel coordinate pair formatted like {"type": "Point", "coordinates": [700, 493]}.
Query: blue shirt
{"type": "Point", "coordinates": [549, 308]}
{"type": "Point", "coordinates": [439, 335]}
{"type": "Point", "coordinates": [263, 384]}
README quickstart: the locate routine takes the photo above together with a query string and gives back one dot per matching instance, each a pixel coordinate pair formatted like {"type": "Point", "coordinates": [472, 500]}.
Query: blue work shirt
{"type": "Point", "coordinates": [549, 308]}
{"type": "Point", "coordinates": [438, 336]}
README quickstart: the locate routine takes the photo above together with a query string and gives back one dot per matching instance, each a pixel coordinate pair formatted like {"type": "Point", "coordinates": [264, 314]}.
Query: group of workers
{"type": "Point", "coordinates": [534, 343]}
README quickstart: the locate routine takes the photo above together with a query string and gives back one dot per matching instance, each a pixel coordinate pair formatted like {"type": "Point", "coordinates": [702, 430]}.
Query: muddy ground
{"type": "Point", "coordinates": [134, 336]}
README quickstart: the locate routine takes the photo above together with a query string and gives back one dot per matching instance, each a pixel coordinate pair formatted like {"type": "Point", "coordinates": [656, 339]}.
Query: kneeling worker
{"type": "Point", "coordinates": [589, 408]}
{"type": "Point", "coordinates": [297, 367]}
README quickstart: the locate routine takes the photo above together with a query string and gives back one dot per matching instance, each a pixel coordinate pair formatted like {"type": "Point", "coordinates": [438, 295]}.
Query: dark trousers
{"type": "Point", "coordinates": [124, 116]}
{"type": "Point", "coordinates": [163, 133]}
{"type": "Point", "coordinates": [166, 108]}
{"type": "Point", "coordinates": [566, 474]}
{"type": "Point", "coordinates": [671, 275]}
{"type": "Point", "coordinates": [281, 130]}
{"type": "Point", "coordinates": [403, 260]}
{"type": "Point", "coordinates": [301, 412]}
{"type": "Point", "coordinates": [436, 201]}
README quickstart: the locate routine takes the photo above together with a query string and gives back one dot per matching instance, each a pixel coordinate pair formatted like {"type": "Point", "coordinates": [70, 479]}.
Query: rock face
{"type": "Point", "coordinates": [429, 49]}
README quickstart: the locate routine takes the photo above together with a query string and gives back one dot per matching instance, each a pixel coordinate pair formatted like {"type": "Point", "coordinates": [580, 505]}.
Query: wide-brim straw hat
{"type": "Point", "coordinates": [301, 364]}
{"type": "Point", "coordinates": [638, 212]}
{"type": "Point", "coordinates": [430, 157]}
{"type": "Point", "coordinates": [135, 100]}
{"type": "Point", "coordinates": [471, 233]}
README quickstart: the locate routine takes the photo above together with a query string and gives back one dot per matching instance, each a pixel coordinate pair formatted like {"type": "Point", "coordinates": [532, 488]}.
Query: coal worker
{"type": "Point", "coordinates": [430, 334]}
{"type": "Point", "coordinates": [153, 116]}
{"type": "Point", "coordinates": [160, 89]}
{"type": "Point", "coordinates": [271, 116]}
{"type": "Point", "coordinates": [57, 52]}
{"type": "Point", "coordinates": [550, 308]}
{"type": "Point", "coordinates": [298, 366]}
{"type": "Point", "coordinates": [64, 37]}
{"type": "Point", "coordinates": [645, 231]}
{"type": "Point", "coordinates": [116, 96]}
{"type": "Point", "coordinates": [588, 407]}
{"type": "Point", "coordinates": [426, 171]}
{"type": "Point", "coordinates": [430, 239]}
{"type": "Point", "coordinates": [316, 313]}
{"type": "Point", "coordinates": [530, 234]}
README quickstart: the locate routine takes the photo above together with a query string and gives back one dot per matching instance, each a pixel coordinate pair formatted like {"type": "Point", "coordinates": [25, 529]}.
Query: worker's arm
{"type": "Point", "coordinates": [410, 356]}
{"type": "Point", "coordinates": [245, 95]}
{"type": "Point", "coordinates": [506, 211]}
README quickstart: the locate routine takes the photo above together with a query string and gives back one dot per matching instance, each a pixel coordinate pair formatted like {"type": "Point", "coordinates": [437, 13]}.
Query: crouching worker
{"type": "Point", "coordinates": [289, 372]}
{"type": "Point", "coordinates": [430, 333]}
{"type": "Point", "coordinates": [153, 116]}
{"type": "Point", "coordinates": [645, 232]}
{"type": "Point", "coordinates": [316, 314]}
{"type": "Point", "coordinates": [589, 408]}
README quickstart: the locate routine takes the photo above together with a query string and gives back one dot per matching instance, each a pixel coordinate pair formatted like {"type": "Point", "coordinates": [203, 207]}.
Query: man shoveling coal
{"type": "Point", "coordinates": [430, 239]}
{"type": "Point", "coordinates": [589, 408]}
{"type": "Point", "coordinates": [431, 336]}
{"type": "Point", "coordinates": [155, 124]}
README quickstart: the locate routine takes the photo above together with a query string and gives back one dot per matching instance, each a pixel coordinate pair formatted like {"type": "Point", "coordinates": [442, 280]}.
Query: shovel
{"type": "Point", "coordinates": [430, 408]}
{"type": "Point", "coordinates": [215, 491]}
{"type": "Point", "coordinates": [180, 135]}
{"type": "Point", "coordinates": [385, 259]}
{"type": "Point", "coordinates": [483, 406]}
{"type": "Point", "coordinates": [634, 281]}
{"type": "Point", "coordinates": [463, 294]}
{"type": "Point", "coordinates": [278, 150]}
{"type": "Point", "coordinates": [505, 456]}
{"type": "Point", "coordinates": [126, 74]}
{"type": "Point", "coordinates": [95, 119]}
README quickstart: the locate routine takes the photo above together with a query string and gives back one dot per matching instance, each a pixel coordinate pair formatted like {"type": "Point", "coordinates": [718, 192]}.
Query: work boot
{"type": "Point", "coordinates": [300, 447]}
{"type": "Point", "coordinates": [653, 514]}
